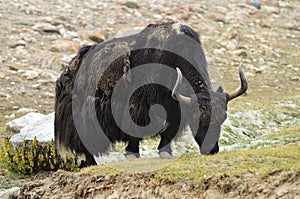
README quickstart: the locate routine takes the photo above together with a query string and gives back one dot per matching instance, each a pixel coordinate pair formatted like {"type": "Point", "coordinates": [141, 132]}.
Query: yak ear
{"type": "Point", "coordinates": [220, 89]}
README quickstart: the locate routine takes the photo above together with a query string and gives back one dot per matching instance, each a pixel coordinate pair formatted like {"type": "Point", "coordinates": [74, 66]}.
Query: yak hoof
{"type": "Point", "coordinates": [132, 156]}
{"type": "Point", "coordinates": [165, 155]}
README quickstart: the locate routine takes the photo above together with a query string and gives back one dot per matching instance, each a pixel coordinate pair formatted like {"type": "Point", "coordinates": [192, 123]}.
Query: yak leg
{"type": "Point", "coordinates": [132, 149]}
{"type": "Point", "coordinates": [164, 147]}
{"type": "Point", "coordinates": [90, 160]}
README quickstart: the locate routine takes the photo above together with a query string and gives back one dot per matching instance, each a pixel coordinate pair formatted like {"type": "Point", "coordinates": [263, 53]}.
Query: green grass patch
{"type": "Point", "coordinates": [197, 168]}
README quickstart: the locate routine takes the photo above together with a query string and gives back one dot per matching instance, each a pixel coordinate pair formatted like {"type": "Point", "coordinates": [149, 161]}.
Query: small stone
{"type": "Point", "coordinates": [296, 78]}
{"type": "Point", "coordinates": [30, 74]}
{"type": "Point", "coordinates": [65, 46]}
{"type": "Point", "coordinates": [26, 110]}
{"type": "Point", "coordinates": [271, 9]}
{"type": "Point", "coordinates": [14, 68]}
{"type": "Point", "coordinates": [231, 44]}
{"type": "Point", "coordinates": [130, 4]}
{"type": "Point", "coordinates": [185, 17]}
{"type": "Point", "coordinates": [11, 116]}
{"type": "Point", "coordinates": [48, 94]}
{"type": "Point", "coordinates": [96, 36]}
{"type": "Point", "coordinates": [37, 86]}
{"type": "Point", "coordinates": [15, 107]}
{"type": "Point", "coordinates": [45, 27]}
{"type": "Point", "coordinates": [157, 16]}
{"type": "Point", "coordinates": [217, 17]}
{"type": "Point", "coordinates": [18, 43]}
{"type": "Point", "coordinates": [240, 52]}
{"type": "Point", "coordinates": [257, 70]}
{"type": "Point", "coordinates": [256, 4]}
{"type": "Point", "coordinates": [2, 75]}
{"type": "Point", "coordinates": [264, 24]}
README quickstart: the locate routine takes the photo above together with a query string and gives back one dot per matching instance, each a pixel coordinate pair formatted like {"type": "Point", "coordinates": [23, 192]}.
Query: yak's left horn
{"type": "Point", "coordinates": [242, 89]}
{"type": "Point", "coordinates": [175, 94]}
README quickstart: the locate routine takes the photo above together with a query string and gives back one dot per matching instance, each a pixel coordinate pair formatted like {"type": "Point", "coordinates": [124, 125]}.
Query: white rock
{"type": "Point", "coordinates": [26, 110]}
{"type": "Point", "coordinates": [42, 129]}
{"type": "Point", "coordinates": [9, 193]}
{"type": "Point", "coordinates": [21, 122]}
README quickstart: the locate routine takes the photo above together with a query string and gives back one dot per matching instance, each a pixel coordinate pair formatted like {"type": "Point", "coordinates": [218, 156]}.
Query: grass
{"type": "Point", "coordinates": [197, 168]}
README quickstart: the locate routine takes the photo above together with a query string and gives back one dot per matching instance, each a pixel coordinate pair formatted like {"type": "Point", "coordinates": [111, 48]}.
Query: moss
{"type": "Point", "coordinates": [29, 159]}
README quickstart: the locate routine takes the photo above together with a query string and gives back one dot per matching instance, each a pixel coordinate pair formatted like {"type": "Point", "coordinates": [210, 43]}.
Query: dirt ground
{"type": "Point", "coordinates": [61, 184]}
{"type": "Point", "coordinates": [38, 38]}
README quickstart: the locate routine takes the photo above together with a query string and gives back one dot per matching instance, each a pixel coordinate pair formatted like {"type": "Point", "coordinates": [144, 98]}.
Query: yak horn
{"type": "Point", "coordinates": [242, 89]}
{"type": "Point", "coordinates": [175, 94]}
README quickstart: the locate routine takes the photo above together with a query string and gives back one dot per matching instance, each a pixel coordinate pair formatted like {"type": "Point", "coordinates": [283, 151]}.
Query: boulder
{"type": "Point", "coordinates": [30, 118]}
{"type": "Point", "coordinates": [9, 193]}
{"type": "Point", "coordinates": [42, 129]}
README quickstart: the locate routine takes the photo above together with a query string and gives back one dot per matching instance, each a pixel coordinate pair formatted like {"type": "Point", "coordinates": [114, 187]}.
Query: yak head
{"type": "Point", "coordinates": [212, 112]}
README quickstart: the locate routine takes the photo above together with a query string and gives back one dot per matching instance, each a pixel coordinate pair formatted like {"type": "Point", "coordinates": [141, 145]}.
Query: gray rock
{"type": "Point", "coordinates": [9, 193]}
{"type": "Point", "coordinates": [42, 129]}
{"type": "Point", "coordinates": [26, 120]}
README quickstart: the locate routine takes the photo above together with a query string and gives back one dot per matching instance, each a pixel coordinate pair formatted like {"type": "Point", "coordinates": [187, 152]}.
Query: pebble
{"type": "Point", "coordinates": [30, 74]}
{"type": "Point", "coordinates": [96, 36]}
{"type": "Point", "coordinates": [240, 52]}
{"type": "Point", "coordinates": [66, 46]}
{"type": "Point", "coordinates": [14, 68]}
{"type": "Point", "coordinates": [157, 16]}
{"type": "Point", "coordinates": [231, 44]}
{"type": "Point", "coordinates": [218, 17]}
{"type": "Point", "coordinates": [26, 110]}
{"type": "Point", "coordinates": [295, 78]}
{"type": "Point", "coordinates": [46, 27]}
{"type": "Point", "coordinates": [11, 116]}
{"type": "Point", "coordinates": [2, 75]}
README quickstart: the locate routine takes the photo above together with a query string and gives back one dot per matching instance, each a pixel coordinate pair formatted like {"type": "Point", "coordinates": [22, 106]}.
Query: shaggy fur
{"type": "Point", "coordinates": [143, 98]}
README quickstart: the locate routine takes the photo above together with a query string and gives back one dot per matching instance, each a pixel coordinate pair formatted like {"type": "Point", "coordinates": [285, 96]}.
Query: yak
{"type": "Point", "coordinates": [175, 46]}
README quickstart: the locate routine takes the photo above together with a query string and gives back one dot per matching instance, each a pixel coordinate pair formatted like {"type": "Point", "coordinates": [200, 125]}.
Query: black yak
{"type": "Point", "coordinates": [175, 46]}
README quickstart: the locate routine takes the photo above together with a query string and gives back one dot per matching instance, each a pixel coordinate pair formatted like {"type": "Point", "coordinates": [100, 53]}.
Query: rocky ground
{"type": "Point", "coordinates": [38, 38]}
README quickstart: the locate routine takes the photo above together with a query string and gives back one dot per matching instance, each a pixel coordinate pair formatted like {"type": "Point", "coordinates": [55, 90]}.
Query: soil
{"type": "Point", "coordinates": [62, 184]}
{"type": "Point", "coordinates": [38, 38]}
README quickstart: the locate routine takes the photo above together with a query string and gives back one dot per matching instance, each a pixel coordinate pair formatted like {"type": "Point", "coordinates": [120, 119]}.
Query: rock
{"type": "Point", "coordinates": [11, 116]}
{"type": "Point", "coordinates": [240, 52]}
{"type": "Point", "coordinates": [256, 4]}
{"type": "Point", "coordinates": [130, 4]}
{"type": "Point", "coordinates": [94, 35]}
{"type": "Point", "coordinates": [184, 17]}
{"type": "Point", "coordinates": [37, 86]}
{"type": "Point", "coordinates": [30, 74]}
{"type": "Point", "coordinates": [271, 9]}
{"type": "Point", "coordinates": [127, 32]}
{"type": "Point", "coordinates": [21, 122]}
{"type": "Point", "coordinates": [2, 75]}
{"type": "Point", "coordinates": [14, 68]}
{"type": "Point", "coordinates": [9, 193]}
{"type": "Point", "coordinates": [26, 110]}
{"type": "Point", "coordinates": [45, 27]}
{"type": "Point", "coordinates": [42, 129]}
{"type": "Point", "coordinates": [217, 17]}
{"type": "Point", "coordinates": [295, 78]}
{"type": "Point", "coordinates": [65, 46]}
{"type": "Point", "coordinates": [231, 44]}
{"type": "Point", "coordinates": [157, 16]}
